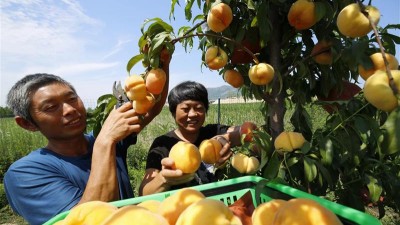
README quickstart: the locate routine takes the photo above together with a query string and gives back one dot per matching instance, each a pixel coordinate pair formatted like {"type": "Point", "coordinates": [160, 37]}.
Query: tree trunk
{"type": "Point", "coordinates": [277, 105]}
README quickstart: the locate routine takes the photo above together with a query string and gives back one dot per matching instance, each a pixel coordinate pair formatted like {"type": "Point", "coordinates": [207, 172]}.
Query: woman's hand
{"type": "Point", "coordinates": [173, 176]}
{"type": "Point", "coordinates": [225, 153]}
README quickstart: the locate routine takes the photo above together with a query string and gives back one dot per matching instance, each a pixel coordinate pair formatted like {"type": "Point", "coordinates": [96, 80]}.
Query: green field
{"type": "Point", "coordinates": [16, 142]}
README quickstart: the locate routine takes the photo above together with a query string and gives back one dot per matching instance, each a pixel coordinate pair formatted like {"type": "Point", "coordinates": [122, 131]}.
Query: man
{"type": "Point", "coordinates": [73, 167]}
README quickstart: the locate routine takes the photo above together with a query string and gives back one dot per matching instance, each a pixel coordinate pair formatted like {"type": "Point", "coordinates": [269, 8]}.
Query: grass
{"type": "Point", "coordinates": [16, 142]}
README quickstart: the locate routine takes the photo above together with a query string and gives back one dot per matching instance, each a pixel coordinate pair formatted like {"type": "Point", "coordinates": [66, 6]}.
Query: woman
{"type": "Point", "coordinates": [188, 104]}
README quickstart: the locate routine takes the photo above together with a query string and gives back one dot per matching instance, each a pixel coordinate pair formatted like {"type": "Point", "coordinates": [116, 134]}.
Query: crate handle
{"type": "Point", "coordinates": [259, 188]}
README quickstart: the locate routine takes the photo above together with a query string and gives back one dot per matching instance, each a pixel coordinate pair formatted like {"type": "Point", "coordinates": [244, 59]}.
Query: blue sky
{"type": "Point", "coordinates": [89, 42]}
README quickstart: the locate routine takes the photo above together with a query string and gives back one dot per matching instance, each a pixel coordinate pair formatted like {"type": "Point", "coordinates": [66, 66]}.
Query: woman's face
{"type": "Point", "coordinates": [190, 116]}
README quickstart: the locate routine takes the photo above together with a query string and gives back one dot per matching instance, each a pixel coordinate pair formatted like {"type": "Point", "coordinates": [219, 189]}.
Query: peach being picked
{"type": "Point", "coordinates": [135, 87]}
{"type": "Point", "coordinates": [210, 150]}
{"type": "Point", "coordinates": [186, 156]}
{"type": "Point", "coordinates": [246, 131]}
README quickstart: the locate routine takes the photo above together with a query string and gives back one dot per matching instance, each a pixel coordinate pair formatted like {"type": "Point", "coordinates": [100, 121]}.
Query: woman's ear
{"type": "Point", "coordinates": [27, 125]}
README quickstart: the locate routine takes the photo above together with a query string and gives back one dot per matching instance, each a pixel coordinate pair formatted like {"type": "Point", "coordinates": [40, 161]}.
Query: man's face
{"type": "Point", "coordinates": [190, 116]}
{"type": "Point", "coordinates": [58, 112]}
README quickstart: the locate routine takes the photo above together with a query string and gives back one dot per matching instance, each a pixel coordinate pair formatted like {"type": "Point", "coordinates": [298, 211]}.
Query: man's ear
{"type": "Point", "coordinates": [25, 124]}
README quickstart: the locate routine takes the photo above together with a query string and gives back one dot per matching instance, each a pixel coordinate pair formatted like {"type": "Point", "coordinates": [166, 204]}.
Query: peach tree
{"type": "Point", "coordinates": [293, 54]}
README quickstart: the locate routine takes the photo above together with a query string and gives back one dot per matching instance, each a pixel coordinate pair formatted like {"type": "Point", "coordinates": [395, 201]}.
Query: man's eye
{"type": "Point", "coordinates": [50, 108]}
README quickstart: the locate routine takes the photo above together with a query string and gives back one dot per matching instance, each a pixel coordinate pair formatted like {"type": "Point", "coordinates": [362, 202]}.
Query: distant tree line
{"type": "Point", "coordinates": [5, 112]}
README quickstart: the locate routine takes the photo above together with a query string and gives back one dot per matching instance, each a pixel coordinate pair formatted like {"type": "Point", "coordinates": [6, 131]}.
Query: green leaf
{"type": "Point", "coordinates": [132, 62]}
{"type": "Point", "coordinates": [272, 168]}
{"type": "Point", "coordinates": [326, 150]}
{"type": "Point", "coordinates": [375, 189]}
{"type": "Point", "coordinates": [392, 133]}
{"type": "Point", "coordinates": [310, 169]}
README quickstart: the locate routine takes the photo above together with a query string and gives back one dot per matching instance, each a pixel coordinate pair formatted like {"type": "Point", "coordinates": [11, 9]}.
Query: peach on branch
{"type": "Point", "coordinates": [245, 164]}
{"type": "Point", "coordinates": [142, 106]}
{"type": "Point", "coordinates": [135, 87]}
{"type": "Point", "coordinates": [302, 14]}
{"type": "Point", "coordinates": [219, 17]}
{"type": "Point", "coordinates": [215, 57]}
{"type": "Point", "coordinates": [261, 74]}
{"type": "Point", "coordinates": [186, 156]}
{"type": "Point", "coordinates": [287, 141]}
{"type": "Point", "coordinates": [155, 80]}
{"type": "Point", "coordinates": [352, 22]}
{"type": "Point", "coordinates": [234, 78]}
{"type": "Point", "coordinates": [378, 64]}
{"type": "Point", "coordinates": [322, 53]}
{"type": "Point", "coordinates": [378, 92]}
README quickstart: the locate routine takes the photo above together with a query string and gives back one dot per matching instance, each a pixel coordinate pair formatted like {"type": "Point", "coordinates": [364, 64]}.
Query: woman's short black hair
{"type": "Point", "coordinates": [187, 90]}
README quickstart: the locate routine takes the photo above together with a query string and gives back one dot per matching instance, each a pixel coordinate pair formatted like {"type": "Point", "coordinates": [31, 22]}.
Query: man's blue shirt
{"type": "Point", "coordinates": [44, 183]}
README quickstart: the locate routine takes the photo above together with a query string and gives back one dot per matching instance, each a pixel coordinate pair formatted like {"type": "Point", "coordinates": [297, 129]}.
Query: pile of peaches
{"type": "Point", "coordinates": [189, 206]}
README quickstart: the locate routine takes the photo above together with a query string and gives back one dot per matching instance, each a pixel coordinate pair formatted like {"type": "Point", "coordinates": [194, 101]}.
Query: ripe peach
{"type": "Point", "coordinates": [261, 74]}
{"type": "Point", "coordinates": [348, 92]}
{"type": "Point", "coordinates": [245, 164]}
{"type": "Point", "coordinates": [302, 14]}
{"type": "Point", "coordinates": [93, 212]}
{"type": "Point", "coordinates": [135, 87]}
{"type": "Point", "coordinates": [186, 157]}
{"type": "Point", "coordinates": [209, 150]}
{"type": "Point", "coordinates": [246, 130]}
{"type": "Point", "coordinates": [172, 206]}
{"type": "Point", "coordinates": [326, 57]}
{"type": "Point", "coordinates": [155, 81]}
{"type": "Point", "coordinates": [353, 23]}
{"type": "Point", "coordinates": [208, 211]}
{"type": "Point", "coordinates": [234, 78]}
{"type": "Point", "coordinates": [287, 141]}
{"type": "Point", "coordinates": [142, 106]}
{"type": "Point", "coordinates": [133, 214]}
{"type": "Point", "coordinates": [219, 17]}
{"type": "Point", "coordinates": [252, 42]}
{"type": "Point", "coordinates": [264, 214]}
{"type": "Point", "coordinates": [306, 212]}
{"type": "Point", "coordinates": [378, 64]}
{"type": "Point", "coordinates": [378, 92]}
{"type": "Point", "coordinates": [150, 204]}
{"type": "Point", "coordinates": [215, 57]}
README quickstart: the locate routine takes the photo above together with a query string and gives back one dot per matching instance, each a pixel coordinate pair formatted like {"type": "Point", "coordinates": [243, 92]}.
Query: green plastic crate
{"type": "Point", "coordinates": [231, 190]}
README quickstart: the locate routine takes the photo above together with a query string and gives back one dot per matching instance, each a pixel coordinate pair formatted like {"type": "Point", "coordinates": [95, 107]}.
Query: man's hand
{"type": "Point", "coordinates": [120, 123]}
